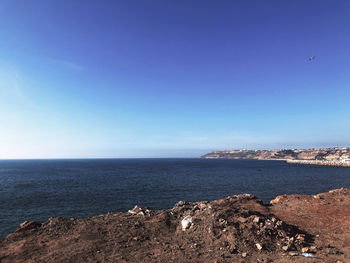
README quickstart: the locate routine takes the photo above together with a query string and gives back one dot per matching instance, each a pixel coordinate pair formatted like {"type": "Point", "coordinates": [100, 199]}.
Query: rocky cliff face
{"type": "Point", "coordinates": [284, 154]}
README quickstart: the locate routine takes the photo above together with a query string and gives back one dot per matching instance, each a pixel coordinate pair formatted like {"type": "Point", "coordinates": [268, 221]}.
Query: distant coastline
{"type": "Point", "coordinates": [318, 162]}
{"type": "Point", "coordinates": [323, 156]}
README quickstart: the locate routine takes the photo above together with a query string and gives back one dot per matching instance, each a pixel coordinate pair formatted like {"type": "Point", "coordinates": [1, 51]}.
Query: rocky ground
{"type": "Point", "coordinates": [240, 228]}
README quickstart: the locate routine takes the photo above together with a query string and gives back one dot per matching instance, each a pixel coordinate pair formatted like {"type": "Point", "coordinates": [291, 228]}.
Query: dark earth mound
{"type": "Point", "coordinates": [236, 229]}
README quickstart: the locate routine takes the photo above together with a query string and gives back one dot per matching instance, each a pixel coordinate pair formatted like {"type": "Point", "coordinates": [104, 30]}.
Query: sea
{"type": "Point", "coordinates": [39, 189]}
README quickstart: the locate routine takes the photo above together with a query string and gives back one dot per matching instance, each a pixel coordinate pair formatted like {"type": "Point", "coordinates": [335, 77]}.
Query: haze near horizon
{"type": "Point", "coordinates": [85, 79]}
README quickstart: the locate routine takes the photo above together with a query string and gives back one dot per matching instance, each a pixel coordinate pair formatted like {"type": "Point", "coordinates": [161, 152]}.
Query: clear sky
{"type": "Point", "coordinates": [159, 78]}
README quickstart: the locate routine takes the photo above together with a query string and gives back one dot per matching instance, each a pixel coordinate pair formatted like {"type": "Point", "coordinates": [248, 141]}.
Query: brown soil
{"type": "Point", "coordinates": [236, 229]}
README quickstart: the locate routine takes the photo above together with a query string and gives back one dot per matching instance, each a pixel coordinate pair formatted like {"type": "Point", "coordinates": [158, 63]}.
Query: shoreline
{"type": "Point", "coordinates": [319, 162]}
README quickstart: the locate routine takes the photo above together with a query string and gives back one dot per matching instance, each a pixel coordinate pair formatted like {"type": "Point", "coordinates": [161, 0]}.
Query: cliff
{"type": "Point", "coordinates": [326, 154]}
{"type": "Point", "coordinates": [239, 228]}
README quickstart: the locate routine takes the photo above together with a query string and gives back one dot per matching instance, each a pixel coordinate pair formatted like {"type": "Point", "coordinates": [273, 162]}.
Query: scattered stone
{"type": "Point", "coordinates": [232, 248]}
{"type": "Point", "coordinates": [186, 222]}
{"type": "Point", "coordinates": [133, 211]}
{"type": "Point", "coordinates": [334, 251]}
{"type": "Point", "coordinates": [279, 223]}
{"type": "Point", "coordinates": [241, 219]}
{"type": "Point", "coordinates": [203, 206]}
{"type": "Point", "coordinates": [244, 255]}
{"type": "Point", "coordinates": [305, 249]}
{"type": "Point", "coordinates": [210, 230]}
{"type": "Point", "coordinates": [140, 211]}
{"type": "Point", "coordinates": [313, 249]}
{"type": "Point", "coordinates": [26, 225]}
{"type": "Point", "coordinates": [222, 221]}
{"type": "Point", "coordinates": [258, 246]}
{"type": "Point", "coordinates": [195, 208]}
{"type": "Point", "coordinates": [256, 219]}
{"type": "Point", "coordinates": [180, 204]}
{"type": "Point", "coordinates": [285, 248]}
{"type": "Point", "coordinates": [300, 237]}
{"type": "Point", "coordinates": [23, 224]}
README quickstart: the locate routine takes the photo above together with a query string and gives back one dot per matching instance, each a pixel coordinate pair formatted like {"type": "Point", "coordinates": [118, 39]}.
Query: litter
{"type": "Point", "coordinates": [307, 255]}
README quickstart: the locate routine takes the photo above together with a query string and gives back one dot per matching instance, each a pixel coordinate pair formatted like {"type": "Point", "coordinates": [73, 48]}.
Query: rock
{"type": "Point", "coordinates": [256, 219]}
{"type": "Point", "coordinates": [241, 219]}
{"type": "Point", "coordinates": [244, 255]}
{"type": "Point", "coordinates": [210, 230]}
{"type": "Point", "coordinates": [305, 249]}
{"type": "Point", "coordinates": [26, 225]}
{"type": "Point", "coordinates": [195, 208]}
{"type": "Point", "coordinates": [279, 223]}
{"type": "Point", "coordinates": [313, 249]}
{"type": "Point", "coordinates": [233, 249]}
{"type": "Point", "coordinates": [203, 206]}
{"type": "Point", "coordinates": [133, 211]}
{"type": "Point", "coordinates": [258, 246]}
{"type": "Point", "coordinates": [222, 221]}
{"type": "Point", "coordinates": [300, 237]}
{"type": "Point", "coordinates": [278, 199]}
{"type": "Point", "coordinates": [180, 204]}
{"type": "Point", "coordinates": [186, 222]}
{"type": "Point", "coordinates": [141, 211]}
{"type": "Point", "coordinates": [333, 251]}
{"type": "Point", "coordinates": [23, 224]}
{"type": "Point", "coordinates": [285, 248]}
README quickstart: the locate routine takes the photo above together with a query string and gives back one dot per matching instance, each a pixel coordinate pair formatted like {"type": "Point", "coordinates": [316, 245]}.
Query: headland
{"type": "Point", "coordinates": [323, 156]}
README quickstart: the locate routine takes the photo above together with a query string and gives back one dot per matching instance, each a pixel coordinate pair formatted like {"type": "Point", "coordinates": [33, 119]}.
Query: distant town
{"type": "Point", "coordinates": [323, 156]}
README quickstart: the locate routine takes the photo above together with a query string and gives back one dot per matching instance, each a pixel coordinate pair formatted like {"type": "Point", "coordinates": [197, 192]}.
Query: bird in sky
{"type": "Point", "coordinates": [311, 58]}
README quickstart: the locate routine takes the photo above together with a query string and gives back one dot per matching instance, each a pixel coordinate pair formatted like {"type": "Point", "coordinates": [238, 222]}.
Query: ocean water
{"type": "Point", "coordinates": [39, 189]}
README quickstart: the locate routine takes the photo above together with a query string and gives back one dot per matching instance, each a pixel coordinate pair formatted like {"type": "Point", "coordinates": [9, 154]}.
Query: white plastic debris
{"type": "Point", "coordinates": [307, 255]}
{"type": "Point", "coordinates": [186, 222]}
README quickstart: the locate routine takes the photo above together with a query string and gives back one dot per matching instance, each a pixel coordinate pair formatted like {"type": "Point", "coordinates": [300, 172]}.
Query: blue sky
{"type": "Point", "coordinates": [171, 78]}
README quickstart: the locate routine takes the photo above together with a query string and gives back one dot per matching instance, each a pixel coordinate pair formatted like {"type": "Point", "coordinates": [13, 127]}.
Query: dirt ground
{"type": "Point", "coordinates": [238, 228]}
